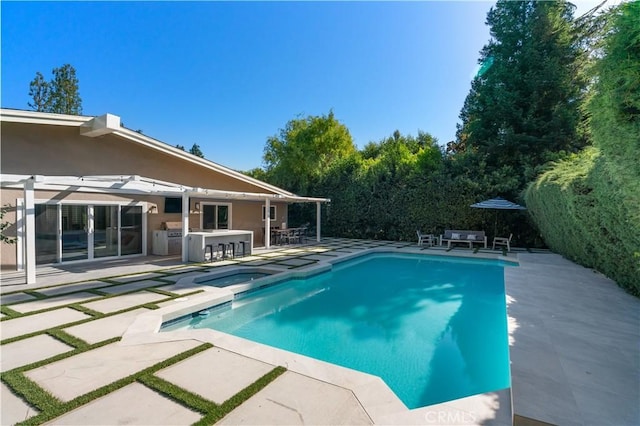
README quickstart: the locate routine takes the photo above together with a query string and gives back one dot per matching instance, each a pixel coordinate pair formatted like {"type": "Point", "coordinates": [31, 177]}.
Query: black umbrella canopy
{"type": "Point", "coordinates": [496, 204]}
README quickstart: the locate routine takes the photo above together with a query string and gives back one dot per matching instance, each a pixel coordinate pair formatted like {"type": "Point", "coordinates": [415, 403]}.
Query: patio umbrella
{"type": "Point", "coordinates": [496, 204]}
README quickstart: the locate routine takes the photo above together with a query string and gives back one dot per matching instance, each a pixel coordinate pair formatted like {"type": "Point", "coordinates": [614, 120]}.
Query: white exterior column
{"type": "Point", "coordinates": [267, 223]}
{"type": "Point", "coordinates": [29, 231]}
{"type": "Point", "coordinates": [318, 212]}
{"type": "Point", "coordinates": [185, 227]}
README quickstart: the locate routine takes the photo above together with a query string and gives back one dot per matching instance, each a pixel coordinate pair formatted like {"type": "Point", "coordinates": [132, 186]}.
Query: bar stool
{"type": "Point", "coordinates": [232, 249]}
{"type": "Point", "coordinates": [242, 244]}
{"type": "Point", "coordinates": [209, 248]}
{"type": "Point", "coordinates": [222, 248]}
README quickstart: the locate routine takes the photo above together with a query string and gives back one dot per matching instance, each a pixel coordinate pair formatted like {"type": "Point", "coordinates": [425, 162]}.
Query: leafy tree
{"type": "Point", "coordinates": [298, 156]}
{"type": "Point", "coordinates": [65, 96]}
{"type": "Point", "coordinates": [257, 173]}
{"type": "Point", "coordinates": [4, 225]}
{"type": "Point", "coordinates": [40, 93]}
{"type": "Point", "coordinates": [615, 106]}
{"type": "Point", "coordinates": [525, 104]}
{"type": "Point", "coordinates": [60, 95]}
{"type": "Point", "coordinates": [587, 207]}
{"type": "Point", "coordinates": [195, 150]}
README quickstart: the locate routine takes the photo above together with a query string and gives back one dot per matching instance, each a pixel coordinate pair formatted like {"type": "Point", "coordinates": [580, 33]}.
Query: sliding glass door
{"type": "Point", "coordinates": [215, 216]}
{"type": "Point", "coordinates": [71, 232]}
{"type": "Point", "coordinates": [46, 233]}
{"type": "Point", "coordinates": [75, 232]}
{"type": "Point", "coordinates": [131, 230]}
{"type": "Point", "coordinates": [105, 231]}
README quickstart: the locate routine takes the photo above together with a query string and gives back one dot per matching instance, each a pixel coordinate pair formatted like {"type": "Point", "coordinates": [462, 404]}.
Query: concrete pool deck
{"type": "Point", "coordinates": [573, 340]}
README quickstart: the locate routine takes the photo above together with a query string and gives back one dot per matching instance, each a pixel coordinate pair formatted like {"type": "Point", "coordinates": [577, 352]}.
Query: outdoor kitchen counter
{"type": "Point", "coordinates": [199, 240]}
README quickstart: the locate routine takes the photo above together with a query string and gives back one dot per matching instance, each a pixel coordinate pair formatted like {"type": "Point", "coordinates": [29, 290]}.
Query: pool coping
{"type": "Point", "coordinates": [377, 399]}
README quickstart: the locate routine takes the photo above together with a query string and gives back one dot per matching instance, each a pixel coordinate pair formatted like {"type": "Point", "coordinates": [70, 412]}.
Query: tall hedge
{"type": "Point", "coordinates": [588, 207]}
{"type": "Point", "coordinates": [581, 211]}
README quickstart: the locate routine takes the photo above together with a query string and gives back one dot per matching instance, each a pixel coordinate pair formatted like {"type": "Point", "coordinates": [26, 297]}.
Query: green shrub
{"type": "Point", "coordinates": [585, 211]}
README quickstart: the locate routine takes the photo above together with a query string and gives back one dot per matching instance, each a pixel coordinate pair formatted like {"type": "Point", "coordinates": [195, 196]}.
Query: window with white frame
{"type": "Point", "coordinates": [272, 212]}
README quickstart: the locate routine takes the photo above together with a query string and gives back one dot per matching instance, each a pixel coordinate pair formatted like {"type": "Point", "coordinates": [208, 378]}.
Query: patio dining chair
{"type": "Point", "coordinates": [502, 241]}
{"type": "Point", "coordinates": [293, 236]}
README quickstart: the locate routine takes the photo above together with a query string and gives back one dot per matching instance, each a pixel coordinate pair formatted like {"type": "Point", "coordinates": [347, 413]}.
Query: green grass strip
{"type": "Point", "coordinates": [68, 339]}
{"type": "Point", "coordinates": [10, 313]}
{"type": "Point", "coordinates": [88, 311]}
{"type": "Point", "coordinates": [55, 410]}
{"type": "Point", "coordinates": [150, 306]}
{"type": "Point", "coordinates": [46, 330]}
{"type": "Point", "coordinates": [30, 392]}
{"type": "Point", "coordinates": [53, 308]}
{"type": "Point", "coordinates": [235, 401]}
{"type": "Point", "coordinates": [162, 292]}
{"type": "Point", "coordinates": [178, 394]}
{"type": "Point", "coordinates": [95, 291]}
{"type": "Point", "coordinates": [33, 394]}
{"type": "Point", "coordinates": [36, 294]}
{"type": "Point", "coordinates": [78, 307]}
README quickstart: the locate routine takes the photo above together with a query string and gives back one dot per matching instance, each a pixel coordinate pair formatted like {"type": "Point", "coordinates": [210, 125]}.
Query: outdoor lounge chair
{"type": "Point", "coordinates": [502, 241]}
{"type": "Point", "coordinates": [427, 239]}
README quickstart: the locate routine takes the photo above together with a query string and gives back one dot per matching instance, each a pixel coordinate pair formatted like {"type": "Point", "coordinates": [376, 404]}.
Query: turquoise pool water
{"type": "Point", "coordinates": [434, 329]}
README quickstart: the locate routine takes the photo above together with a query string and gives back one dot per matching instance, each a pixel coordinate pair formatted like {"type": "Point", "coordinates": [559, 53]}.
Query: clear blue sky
{"type": "Point", "coordinates": [229, 75]}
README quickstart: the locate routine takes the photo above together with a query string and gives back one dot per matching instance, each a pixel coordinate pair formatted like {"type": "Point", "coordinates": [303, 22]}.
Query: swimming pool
{"type": "Point", "coordinates": [433, 328]}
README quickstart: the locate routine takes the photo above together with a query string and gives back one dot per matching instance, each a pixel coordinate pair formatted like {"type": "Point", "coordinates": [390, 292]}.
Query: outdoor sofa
{"type": "Point", "coordinates": [468, 237]}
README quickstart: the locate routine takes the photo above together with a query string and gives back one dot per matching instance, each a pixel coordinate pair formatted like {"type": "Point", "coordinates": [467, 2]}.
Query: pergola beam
{"type": "Point", "coordinates": [133, 185]}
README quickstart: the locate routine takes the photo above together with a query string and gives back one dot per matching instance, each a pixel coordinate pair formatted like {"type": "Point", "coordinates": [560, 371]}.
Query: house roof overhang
{"type": "Point", "coordinates": [91, 126]}
{"type": "Point", "coordinates": [139, 185]}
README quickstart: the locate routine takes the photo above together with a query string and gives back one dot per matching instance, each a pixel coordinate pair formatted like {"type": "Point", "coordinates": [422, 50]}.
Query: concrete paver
{"type": "Point", "coordinates": [54, 291]}
{"type": "Point", "coordinates": [150, 408]}
{"type": "Point", "coordinates": [294, 399]}
{"type": "Point", "coordinates": [30, 350]}
{"type": "Point", "coordinates": [169, 302]}
{"type": "Point", "coordinates": [14, 409]}
{"type": "Point", "coordinates": [52, 302]}
{"type": "Point", "coordinates": [178, 277]}
{"type": "Point", "coordinates": [258, 263]}
{"type": "Point", "coordinates": [247, 258]}
{"type": "Point", "coordinates": [569, 348]}
{"type": "Point", "coordinates": [137, 285]}
{"type": "Point", "coordinates": [318, 257]}
{"type": "Point", "coordinates": [297, 262]}
{"type": "Point", "coordinates": [64, 273]}
{"type": "Point", "coordinates": [85, 372]}
{"type": "Point", "coordinates": [215, 374]}
{"type": "Point", "coordinates": [16, 297]}
{"type": "Point", "coordinates": [125, 301]}
{"type": "Point", "coordinates": [105, 328]}
{"type": "Point", "coordinates": [174, 288]}
{"type": "Point", "coordinates": [32, 323]}
{"type": "Point", "coordinates": [183, 269]}
{"type": "Point", "coordinates": [138, 277]}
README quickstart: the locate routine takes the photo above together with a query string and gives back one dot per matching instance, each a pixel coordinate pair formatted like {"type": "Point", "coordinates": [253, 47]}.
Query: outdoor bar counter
{"type": "Point", "coordinates": [199, 240]}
